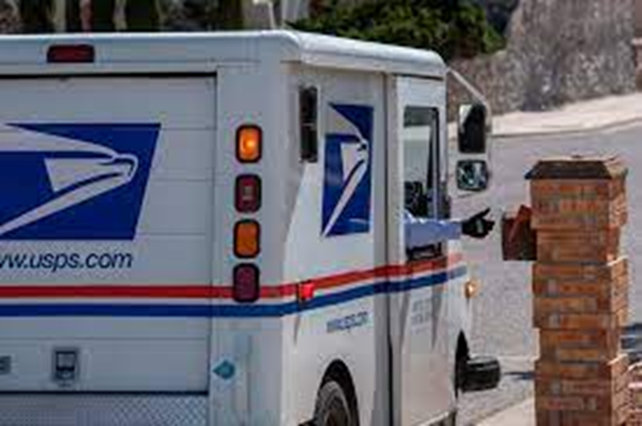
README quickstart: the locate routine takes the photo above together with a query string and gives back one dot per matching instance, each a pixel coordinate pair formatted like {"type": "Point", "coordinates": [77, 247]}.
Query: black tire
{"type": "Point", "coordinates": [460, 374]}
{"type": "Point", "coordinates": [332, 408]}
{"type": "Point", "coordinates": [484, 370]}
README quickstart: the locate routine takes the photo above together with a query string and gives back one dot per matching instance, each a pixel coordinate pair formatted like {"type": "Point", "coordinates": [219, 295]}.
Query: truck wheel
{"type": "Point", "coordinates": [332, 407]}
{"type": "Point", "coordinates": [460, 374]}
{"type": "Point", "coordinates": [482, 373]}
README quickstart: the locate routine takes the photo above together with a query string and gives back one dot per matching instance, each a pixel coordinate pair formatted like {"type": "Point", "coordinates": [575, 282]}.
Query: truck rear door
{"type": "Point", "coordinates": [106, 201]}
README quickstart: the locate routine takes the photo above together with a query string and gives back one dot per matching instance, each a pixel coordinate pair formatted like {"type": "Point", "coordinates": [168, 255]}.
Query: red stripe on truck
{"type": "Point", "coordinates": [120, 291]}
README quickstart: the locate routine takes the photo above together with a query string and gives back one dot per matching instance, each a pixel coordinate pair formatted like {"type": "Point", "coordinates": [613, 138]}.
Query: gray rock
{"type": "Point", "coordinates": [9, 19]}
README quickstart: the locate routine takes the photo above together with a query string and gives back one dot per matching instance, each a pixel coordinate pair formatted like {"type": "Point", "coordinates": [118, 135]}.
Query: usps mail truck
{"type": "Point", "coordinates": [207, 229]}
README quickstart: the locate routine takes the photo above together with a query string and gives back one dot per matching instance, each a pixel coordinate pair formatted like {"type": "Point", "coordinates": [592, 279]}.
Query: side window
{"type": "Point", "coordinates": [419, 138]}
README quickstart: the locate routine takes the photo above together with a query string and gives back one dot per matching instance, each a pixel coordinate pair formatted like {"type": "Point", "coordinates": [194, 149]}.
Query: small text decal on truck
{"type": "Point", "coordinates": [347, 174]}
{"type": "Point", "coordinates": [55, 262]}
{"type": "Point", "coordinates": [73, 182]}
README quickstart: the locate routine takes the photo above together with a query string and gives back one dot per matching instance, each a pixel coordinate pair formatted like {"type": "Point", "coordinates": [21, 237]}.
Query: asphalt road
{"type": "Point", "coordinates": [503, 310]}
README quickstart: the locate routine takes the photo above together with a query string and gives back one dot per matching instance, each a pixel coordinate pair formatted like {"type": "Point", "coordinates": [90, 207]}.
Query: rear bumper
{"type": "Point", "coordinates": [103, 410]}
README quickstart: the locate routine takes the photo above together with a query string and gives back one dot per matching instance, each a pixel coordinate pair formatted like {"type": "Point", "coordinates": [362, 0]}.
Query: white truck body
{"type": "Point", "coordinates": [117, 218]}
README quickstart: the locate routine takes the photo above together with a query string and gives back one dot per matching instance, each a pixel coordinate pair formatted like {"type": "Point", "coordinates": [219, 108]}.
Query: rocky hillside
{"type": "Point", "coordinates": [558, 51]}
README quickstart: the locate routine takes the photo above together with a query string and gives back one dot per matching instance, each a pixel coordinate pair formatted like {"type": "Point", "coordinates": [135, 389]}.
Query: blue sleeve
{"type": "Point", "coordinates": [424, 232]}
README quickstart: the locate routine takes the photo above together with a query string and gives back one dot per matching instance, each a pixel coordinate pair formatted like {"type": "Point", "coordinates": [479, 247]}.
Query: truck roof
{"type": "Point", "coordinates": [23, 54]}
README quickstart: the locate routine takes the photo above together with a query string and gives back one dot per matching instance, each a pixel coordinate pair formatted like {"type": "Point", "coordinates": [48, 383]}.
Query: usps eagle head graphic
{"type": "Point", "coordinates": [347, 170]}
{"type": "Point", "coordinates": [73, 181]}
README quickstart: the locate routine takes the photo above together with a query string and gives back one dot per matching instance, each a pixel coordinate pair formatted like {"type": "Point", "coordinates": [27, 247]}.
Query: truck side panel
{"type": "Point", "coordinates": [336, 239]}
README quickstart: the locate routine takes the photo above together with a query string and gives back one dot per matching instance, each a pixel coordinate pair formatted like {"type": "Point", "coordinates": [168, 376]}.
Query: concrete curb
{"type": "Point", "coordinates": [520, 414]}
{"type": "Point", "coordinates": [569, 132]}
{"type": "Point", "coordinates": [504, 136]}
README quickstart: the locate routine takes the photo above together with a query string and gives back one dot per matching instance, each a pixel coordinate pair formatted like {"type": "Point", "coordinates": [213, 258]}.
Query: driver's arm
{"type": "Point", "coordinates": [422, 232]}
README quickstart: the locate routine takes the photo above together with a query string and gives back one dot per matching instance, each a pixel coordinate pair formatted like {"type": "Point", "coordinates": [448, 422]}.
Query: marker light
{"type": "Point", "coordinates": [471, 289]}
{"type": "Point", "coordinates": [71, 54]}
{"type": "Point", "coordinates": [247, 235]}
{"type": "Point", "coordinates": [246, 287]}
{"type": "Point", "coordinates": [248, 144]}
{"type": "Point", "coordinates": [305, 292]}
{"type": "Point", "coordinates": [248, 194]}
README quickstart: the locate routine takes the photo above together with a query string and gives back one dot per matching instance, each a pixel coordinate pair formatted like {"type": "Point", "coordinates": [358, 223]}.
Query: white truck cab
{"type": "Point", "coordinates": [207, 229]}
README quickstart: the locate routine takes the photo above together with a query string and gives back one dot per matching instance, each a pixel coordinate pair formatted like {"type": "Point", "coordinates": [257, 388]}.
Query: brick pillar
{"type": "Point", "coordinates": [580, 284]}
{"type": "Point", "coordinates": [635, 388]}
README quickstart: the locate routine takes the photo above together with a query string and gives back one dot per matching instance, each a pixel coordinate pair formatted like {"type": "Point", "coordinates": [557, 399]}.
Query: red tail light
{"type": "Point", "coordinates": [246, 284]}
{"type": "Point", "coordinates": [71, 54]}
{"type": "Point", "coordinates": [248, 194]}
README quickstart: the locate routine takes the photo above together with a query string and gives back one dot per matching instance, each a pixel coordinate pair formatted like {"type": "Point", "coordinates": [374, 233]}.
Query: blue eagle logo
{"type": "Point", "coordinates": [347, 172]}
{"type": "Point", "coordinates": [73, 181]}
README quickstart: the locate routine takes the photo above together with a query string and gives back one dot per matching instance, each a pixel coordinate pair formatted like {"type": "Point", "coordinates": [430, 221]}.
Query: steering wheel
{"type": "Point", "coordinates": [414, 198]}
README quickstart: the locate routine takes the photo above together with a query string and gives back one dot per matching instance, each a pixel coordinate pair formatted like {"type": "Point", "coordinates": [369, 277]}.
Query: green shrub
{"type": "Point", "coordinates": [453, 28]}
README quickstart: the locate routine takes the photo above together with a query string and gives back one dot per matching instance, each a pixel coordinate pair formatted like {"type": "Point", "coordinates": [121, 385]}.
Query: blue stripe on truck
{"type": "Point", "coordinates": [224, 311]}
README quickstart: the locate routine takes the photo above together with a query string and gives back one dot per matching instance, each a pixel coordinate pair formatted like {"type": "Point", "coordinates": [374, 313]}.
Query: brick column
{"type": "Point", "coordinates": [580, 284]}
{"type": "Point", "coordinates": [635, 390]}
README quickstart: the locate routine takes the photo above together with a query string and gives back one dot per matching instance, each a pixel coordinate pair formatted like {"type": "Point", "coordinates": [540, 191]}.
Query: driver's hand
{"type": "Point", "coordinates": [478, 226]}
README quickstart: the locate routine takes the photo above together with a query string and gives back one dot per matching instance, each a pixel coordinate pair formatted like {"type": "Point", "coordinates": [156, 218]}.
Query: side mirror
{"type": "Point", "coordinates": [472, 129]}
{"type": "Point", "coordinates": [473, 175]}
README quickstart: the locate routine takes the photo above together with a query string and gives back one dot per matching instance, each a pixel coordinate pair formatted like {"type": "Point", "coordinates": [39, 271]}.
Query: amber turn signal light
{"type": "Point", "coordinates": [247, 235]}
{"type": "Point", "coordinates": [249, 144]}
